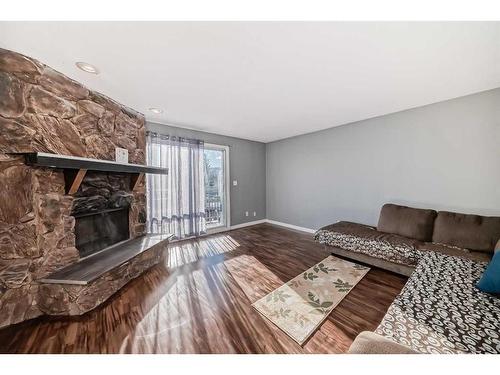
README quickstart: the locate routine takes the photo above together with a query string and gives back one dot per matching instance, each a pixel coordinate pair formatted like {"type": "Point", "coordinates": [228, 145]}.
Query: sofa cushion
{"type": "Point", "coordinates": [478, 256]}
{"type": "Point", "coordinates": [441, 311]}
{"type": "Point", "coordinates": [474, 232]}
{"type": "Point", "coordinates": [405, 221]}
{"type": "Point", "coordinates": [364, 239]}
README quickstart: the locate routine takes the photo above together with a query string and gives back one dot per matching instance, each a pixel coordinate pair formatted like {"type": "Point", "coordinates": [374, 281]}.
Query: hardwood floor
{"type": "Point", "coordinates": [199, 301]}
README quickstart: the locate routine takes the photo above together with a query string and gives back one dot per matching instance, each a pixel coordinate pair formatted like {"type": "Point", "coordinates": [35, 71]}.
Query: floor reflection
{"type": "Point", "coordinates": [185, 252]}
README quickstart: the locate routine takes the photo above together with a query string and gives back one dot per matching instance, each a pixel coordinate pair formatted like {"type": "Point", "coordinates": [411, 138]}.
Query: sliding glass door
{"type": "Point", "coordinates": [216, 169]}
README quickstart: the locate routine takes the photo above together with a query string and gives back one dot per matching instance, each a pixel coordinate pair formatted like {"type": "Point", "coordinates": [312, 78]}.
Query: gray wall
{"type": "Point", "coordinates": [444, 156]}
{"type": "Point", "coordinates": [247, 162]}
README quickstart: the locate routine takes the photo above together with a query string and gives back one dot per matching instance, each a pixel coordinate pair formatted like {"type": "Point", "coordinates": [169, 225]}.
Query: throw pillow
{"type": "Point", "coordinates": [490, 281]}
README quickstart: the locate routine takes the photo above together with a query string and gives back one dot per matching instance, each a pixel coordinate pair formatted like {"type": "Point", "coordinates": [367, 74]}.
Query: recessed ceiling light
{"type": "Point", "coordinates": [86, 67]}
{"type": "Point", "coordinates": [156, 110]}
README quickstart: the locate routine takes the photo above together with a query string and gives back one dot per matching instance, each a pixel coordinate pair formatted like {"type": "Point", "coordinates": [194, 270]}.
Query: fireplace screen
{"type": "Point", "coordinates": [96, 231]}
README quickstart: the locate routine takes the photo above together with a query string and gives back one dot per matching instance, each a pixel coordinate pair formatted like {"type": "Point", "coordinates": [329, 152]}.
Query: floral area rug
{"type": "Point", "coordinates": [300, 306]}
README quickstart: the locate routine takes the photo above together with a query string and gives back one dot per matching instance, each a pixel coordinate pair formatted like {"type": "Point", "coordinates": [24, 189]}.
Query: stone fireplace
{"type": "Point", "coordinates": [46, 230]}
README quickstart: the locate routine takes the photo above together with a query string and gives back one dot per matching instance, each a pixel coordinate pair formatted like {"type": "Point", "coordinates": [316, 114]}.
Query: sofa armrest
{"type": "Point", "coordinates": [371, 343]}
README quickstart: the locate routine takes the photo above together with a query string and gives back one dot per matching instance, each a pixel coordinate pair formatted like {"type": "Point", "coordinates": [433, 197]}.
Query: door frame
{"type": "Point", "coordinates": [227, 187]}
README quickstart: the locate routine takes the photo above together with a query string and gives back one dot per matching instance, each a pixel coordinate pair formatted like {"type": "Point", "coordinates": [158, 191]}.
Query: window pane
{"type": "Point", "coordinates": [214, 188]}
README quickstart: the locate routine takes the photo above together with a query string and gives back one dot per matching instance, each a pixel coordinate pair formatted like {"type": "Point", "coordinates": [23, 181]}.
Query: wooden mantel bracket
{"type": "Point", "coordinates": [135, 180]}
{"type": "Point", "coordinates": [73, 179]}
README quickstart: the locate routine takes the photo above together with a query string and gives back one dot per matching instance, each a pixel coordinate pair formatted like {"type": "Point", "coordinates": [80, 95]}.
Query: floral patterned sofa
{"type": "Point", "coordinates": [439, 310]}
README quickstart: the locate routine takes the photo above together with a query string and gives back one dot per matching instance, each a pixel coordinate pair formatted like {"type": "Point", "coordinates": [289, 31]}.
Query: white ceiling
{"type": "Point", "coordinates": [268, 80]}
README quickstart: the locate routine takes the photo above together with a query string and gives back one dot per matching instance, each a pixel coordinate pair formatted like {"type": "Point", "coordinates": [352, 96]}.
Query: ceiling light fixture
{"type": "Point", "coordinates": [86, 67]}
{"type": "Point", "coordinates": [156, 110]}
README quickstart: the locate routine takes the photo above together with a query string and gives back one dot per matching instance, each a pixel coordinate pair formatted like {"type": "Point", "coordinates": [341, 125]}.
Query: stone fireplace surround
{"type": "Point", "coordinates": [42, 110]}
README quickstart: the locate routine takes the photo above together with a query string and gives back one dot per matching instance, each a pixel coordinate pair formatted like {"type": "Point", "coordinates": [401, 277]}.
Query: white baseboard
{"type": "Point", "coordinates": [291, 226]}
{"type": "Point", "coordinates": [250, 223]}
{"type": "Point", "coordinates": [279, 223]}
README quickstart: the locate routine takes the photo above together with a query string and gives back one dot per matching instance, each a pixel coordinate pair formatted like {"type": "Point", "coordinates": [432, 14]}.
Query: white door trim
{"type": "Point", "coordinates": [227, 187]}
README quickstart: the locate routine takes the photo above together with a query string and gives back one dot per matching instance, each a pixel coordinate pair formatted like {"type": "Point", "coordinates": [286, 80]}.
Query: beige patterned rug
{"type": "Point", "coordinates": [300, 306]}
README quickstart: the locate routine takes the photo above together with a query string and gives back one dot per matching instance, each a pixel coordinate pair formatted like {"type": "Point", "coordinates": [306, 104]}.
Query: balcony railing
{"type": "Point", "coordinates": [213, 211]}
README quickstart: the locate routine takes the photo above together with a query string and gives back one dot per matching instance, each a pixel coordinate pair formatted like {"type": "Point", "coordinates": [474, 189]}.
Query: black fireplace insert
{"type": "Point", "coordinates": [98, 230]}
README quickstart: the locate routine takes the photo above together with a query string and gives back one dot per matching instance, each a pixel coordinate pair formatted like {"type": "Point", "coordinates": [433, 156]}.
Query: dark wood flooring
{"type": "Point", "coordinates": [199, 301]}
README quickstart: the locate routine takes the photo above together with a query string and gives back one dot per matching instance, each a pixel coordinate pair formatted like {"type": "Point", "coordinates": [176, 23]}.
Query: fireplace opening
{"type": "Point", "coordinates": [98, 230]}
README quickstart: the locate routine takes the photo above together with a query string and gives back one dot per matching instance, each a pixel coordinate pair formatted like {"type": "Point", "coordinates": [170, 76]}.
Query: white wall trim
{"type": "Point", "coordinates": [250, 223]}
{"type": "Point", "coordinates": [279, 223]}
{"type": "Point", "coordinates": [262, 221]}
{"type": "Point", "coordinates": [291, 226]}
{"type": "Point", "coordinates": [227, 186]}
{"type": "Point", "coordinates": [223, 229]}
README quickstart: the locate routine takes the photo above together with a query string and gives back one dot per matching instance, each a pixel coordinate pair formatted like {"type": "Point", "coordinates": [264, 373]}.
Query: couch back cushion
{"type": "Point", "coordinates": [405, 221]}
{"type": "Point", "coordinates": [473, 232]}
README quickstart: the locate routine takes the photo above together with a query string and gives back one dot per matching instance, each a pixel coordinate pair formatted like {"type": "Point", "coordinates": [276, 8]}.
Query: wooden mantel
{"type": "Point", "coordinates": [75, 168]}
